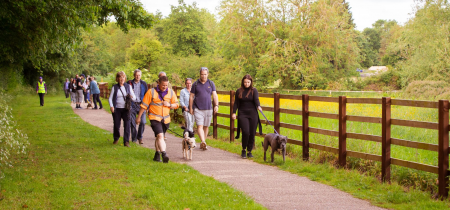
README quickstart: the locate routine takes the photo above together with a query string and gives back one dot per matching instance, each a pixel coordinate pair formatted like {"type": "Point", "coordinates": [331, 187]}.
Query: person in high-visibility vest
{"type": "Point", "coordinates": [158, 101]}
{"type": "Point", "coordinates": [41, 89]}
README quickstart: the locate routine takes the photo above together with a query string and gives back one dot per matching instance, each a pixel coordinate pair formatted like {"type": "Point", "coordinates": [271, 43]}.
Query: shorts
{"type": "Point", "coordinates": [203, 117]}
{"type": "Point", "coordinates": [159, 127]}
{"type": "Point", "coordinates": [80, 96]}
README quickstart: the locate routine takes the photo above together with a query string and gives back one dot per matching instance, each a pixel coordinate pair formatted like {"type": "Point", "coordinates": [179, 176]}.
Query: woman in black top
{"type": "Point", "coordinates": [247, 101]}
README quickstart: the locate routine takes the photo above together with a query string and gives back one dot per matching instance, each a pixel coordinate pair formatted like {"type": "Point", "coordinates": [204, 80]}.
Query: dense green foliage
{"type": "Point", "coordinates": [41, 37]}
{"type": "Point", "coordinates": [282, 44]}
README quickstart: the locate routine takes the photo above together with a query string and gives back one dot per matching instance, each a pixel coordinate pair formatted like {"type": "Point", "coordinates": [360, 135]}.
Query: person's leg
{"type": "Point", "coordinates": [41, 99]}
{"type": "Point", "coordinates": [99, 101]}
{"type": "Point", "coordinates": [253, 123]}
{"type": "Point", "coordinates": [245, 129]}
{"type": "Point", "coordinates": [140, 133]}
{"type": "Point", "coordinates": [94, 100]}
{"type": "Point", "coordinates": [125, 115]}
{"type": "Point", "coordinates": [133, 128]}
{"type": "Point", "coordinates": [116, 131]}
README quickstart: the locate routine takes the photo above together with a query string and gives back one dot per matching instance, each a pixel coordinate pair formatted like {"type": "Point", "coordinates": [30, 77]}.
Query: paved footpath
{"type": "Point", "coordinates": [267, 185]}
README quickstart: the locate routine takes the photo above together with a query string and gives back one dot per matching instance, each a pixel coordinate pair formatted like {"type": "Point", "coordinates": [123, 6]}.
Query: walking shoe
{"type": "Point", "coordinates": [115, 141]}
{"type": "Point", "coordinates": [127, 144]}
{"type": "Point", "coordinates": [157, 157]}
{"type": "Point", "coordinates": [165, 158]}
{"type": "Point", "coordinates": [95, 108]}
{"type": "Point", "coordinates": [140, 141]}
{"type": "Point", "coordinates": [243, 154]}
{"type": "Point", "coordinates": [249, 155]}
{"type": "Point", "coordinates": [203, 146]}
{"type": "Point", "coordinates": [100, 108]}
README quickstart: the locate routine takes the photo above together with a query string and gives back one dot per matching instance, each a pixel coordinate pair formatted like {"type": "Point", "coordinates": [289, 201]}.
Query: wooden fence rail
{"type": "Point", "coordinates": [386, 122]}
{"type": "Point", "coordinates": [385, 139]}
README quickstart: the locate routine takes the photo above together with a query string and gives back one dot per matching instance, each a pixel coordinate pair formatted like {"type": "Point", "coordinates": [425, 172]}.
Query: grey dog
{"type": "Point", "coordinates": [276, 142]}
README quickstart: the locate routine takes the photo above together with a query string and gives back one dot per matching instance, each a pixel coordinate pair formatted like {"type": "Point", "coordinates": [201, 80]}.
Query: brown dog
{"type": "Point", "coordinates": [276, 142]}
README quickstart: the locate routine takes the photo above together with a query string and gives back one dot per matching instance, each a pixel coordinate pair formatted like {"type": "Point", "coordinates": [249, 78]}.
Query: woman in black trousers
{"type": "Point", "coordinates": [247, 101]}
{"type": "Point", "coordinates": [117, 101]}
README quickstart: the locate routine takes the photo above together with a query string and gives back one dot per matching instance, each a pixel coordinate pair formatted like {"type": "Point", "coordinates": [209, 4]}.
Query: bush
{"type": "Point", "coordinates": [12, 140]}
{"type": "Point", "coordinates": [427, 90]}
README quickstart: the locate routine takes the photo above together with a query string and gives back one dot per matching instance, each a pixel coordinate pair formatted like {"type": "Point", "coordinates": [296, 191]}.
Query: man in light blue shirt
{"type": "Point", "coordinates": [184, 103]}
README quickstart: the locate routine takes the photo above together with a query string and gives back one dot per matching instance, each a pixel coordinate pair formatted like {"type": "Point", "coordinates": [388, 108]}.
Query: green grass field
{"type": "Point", "coordinates": [71, 164]}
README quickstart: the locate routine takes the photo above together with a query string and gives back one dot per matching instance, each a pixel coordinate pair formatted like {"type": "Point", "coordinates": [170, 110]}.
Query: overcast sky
{"type": "Point", "coordinates": [365, 12]}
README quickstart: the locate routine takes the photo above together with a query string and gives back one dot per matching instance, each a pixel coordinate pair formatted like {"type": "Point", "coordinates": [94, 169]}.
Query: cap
{"type": "Point", "coordinates": [40, 77]}
{"type": "Point", "coordinates": [83, 75]}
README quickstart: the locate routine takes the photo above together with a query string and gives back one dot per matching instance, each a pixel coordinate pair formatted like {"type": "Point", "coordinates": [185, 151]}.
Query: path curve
{"type": "Point", "coordinates": [267, 185]}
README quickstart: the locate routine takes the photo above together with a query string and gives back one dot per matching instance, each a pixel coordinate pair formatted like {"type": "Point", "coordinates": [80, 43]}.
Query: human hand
{"type": "Point", "coordinates": [37, 91]}
{"type": "Point", "coordinates": [216, 109]}
{"type": "Point", "coordinates": [112, 109]}
{"type": "Point", "coordinates": [233, 116]}
{"type": "Point", "coordinates": [186, 109]}
{"type": "Point", "coordinates": [166, 103]}
{"type": "Point", "coordinates": [191, 111]}
{"type": "Point", "coordinates": [138, 121]}
{"type": "Point", "coordinates": [259, 108]}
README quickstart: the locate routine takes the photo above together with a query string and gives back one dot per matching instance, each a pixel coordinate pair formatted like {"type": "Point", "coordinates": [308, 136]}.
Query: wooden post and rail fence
{"type": "Point", "coordinates": [385, 139]}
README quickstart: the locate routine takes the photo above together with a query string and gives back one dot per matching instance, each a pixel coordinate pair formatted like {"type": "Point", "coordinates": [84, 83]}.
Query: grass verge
{"type": "Point", "coordinates": [73, 165]}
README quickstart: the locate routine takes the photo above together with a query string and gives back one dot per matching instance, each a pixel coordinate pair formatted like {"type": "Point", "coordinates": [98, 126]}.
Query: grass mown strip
{"type": "Point", "coordinates": [73, 165]}
{"type": "Point", "coordinates": [392, 196]}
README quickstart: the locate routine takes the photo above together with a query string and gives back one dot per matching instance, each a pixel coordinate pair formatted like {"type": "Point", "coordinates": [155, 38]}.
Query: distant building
{"type": "Point", "coordinates": [378, 68]}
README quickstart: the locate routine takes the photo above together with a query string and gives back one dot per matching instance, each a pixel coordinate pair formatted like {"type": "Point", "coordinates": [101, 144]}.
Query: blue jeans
{"type": "Point", "coordinates": [136, 132]}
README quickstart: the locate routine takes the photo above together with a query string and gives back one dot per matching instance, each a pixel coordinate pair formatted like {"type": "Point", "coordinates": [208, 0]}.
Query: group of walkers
{"type": "Point", "coordinates": [156, 103]}
{"type": "Point", "coordinates": [196, 104]}
{"type": "Point", "coordinates": [81, 88]}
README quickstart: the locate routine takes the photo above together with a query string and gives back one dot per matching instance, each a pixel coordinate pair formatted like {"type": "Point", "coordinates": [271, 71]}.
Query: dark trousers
{"type": "Point", "coordinates": [248, 124]}
{"type": "Point", "coordinates": [85, 97]}
{"type": "Point", "coordinates": [66, 91]}
{"type": "Point", "coordinates": [41, 98]}
{"type": "Point", "coordinates": [137, 131]}
{"type": "Point", "coordinates": [96, 98]}
{"type": "Point", "coordinates": [119, 115]}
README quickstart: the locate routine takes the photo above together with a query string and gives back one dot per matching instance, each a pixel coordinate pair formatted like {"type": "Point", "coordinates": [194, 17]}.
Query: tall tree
{"type": "Point", "coordinates": [42, 33]}
{"type": "Point", "coordinates": [184, 30]}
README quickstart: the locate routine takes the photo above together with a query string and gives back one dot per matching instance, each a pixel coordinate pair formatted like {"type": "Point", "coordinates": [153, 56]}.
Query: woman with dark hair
{"type": "Point", "coordinates": [117, 101]}
{"type": "Point", "coordinates": [247, 101]}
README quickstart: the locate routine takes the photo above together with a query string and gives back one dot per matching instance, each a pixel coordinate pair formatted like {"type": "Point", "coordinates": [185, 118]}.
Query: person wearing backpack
{"type": "Point", "coordinates": [140, 88]}
{"type": "Point", "coordinates": [200, 103]}
{"type": "Point", "coordinates": [158, 101]}
{"type": "Point", "coordinates": [117, 100]}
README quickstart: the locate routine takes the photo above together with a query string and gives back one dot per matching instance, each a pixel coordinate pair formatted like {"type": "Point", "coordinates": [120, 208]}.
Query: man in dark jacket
{"type": "Point", "coordinates": [139, 88]}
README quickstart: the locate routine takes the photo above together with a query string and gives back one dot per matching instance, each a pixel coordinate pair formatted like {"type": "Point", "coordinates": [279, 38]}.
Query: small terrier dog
{"type": "Point", "coordinates": [188, 145]}
{"type": "Point", "coordinates": [89, 105]}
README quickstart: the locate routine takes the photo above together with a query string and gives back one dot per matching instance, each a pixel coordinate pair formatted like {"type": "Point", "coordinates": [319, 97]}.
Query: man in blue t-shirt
{"type": "Point", "coordinates": [200, 100]}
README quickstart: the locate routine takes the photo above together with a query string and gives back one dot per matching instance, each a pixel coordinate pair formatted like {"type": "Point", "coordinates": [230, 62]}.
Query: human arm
{"type": "Point", "coordinates": [133, 96]}
{"type": "Point", "coordinates": [191, 102]}
{"type": "Point", "coordinates": [45, 86]}
{"type": "Point", "coordinates": [182, 101]}
{"type": "Point", "coordinates": [256, 99]}
{"type": "Point", "coordinates": [110, 100]}
{"type": "Point", "coordinates": [138, 119]}
{"type": "Point", "coordinates": [215, 101]}
{"type": "Point", "coordinates": [174, 101]}
{"type": "Point", "coordinates": [236, 104]}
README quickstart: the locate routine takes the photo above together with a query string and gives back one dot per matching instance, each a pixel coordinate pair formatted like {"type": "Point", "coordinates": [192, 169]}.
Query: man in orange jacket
{"type": "Point", "coordinates": [158, 101]}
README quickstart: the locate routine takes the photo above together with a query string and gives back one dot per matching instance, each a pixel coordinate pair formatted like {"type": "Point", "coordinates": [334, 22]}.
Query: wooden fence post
{"type": "Point", "coordinates": [276, 111]}
{"type": "Point", "coordinates": [386, 139]}
{"type": "Point", "coordinates": [443, 149]}
{"type": "Point", "coordinates": [342, 131]}
{"type": "Point", "coordinates": [231, 113]}
{"type": "Point", "coordinates": [305, 126]}
{"type": "Point", "coordinates": [215, 123]}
